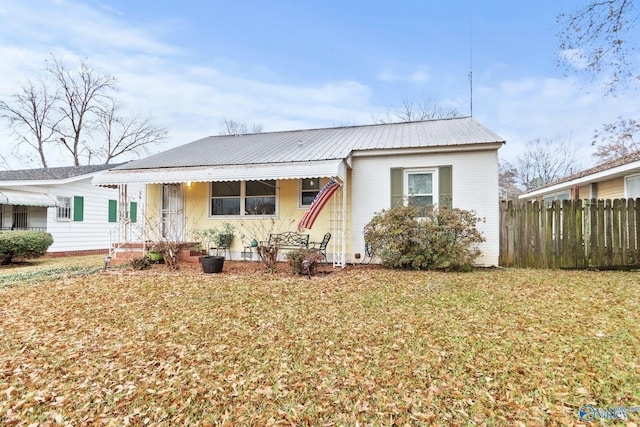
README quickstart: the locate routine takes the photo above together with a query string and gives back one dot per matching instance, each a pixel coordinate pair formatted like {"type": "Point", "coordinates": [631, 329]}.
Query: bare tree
{"type": "Point", "coordinates": [412, 111]}
{"type": "Point", "coordinates": [76, 112]}
{"type": "Point", "coordinates": [4, 163]}
{"type": "Point", "coordinates": [545, 161]}
{"type": "Point", "coordinates": [232, 127]}
{"type": "Point", "coordinates": [124, 135]}
{"type": "Point", "coordinates": [30, 115]}
{"type": "Point", "coordinates": [83, 93]}
{"type": "Point", "coordinates": [616, 139]}
{"type": "Point", "coordinates": [507, 180]}
{"type": "Point", "coordinates": [598, 39]}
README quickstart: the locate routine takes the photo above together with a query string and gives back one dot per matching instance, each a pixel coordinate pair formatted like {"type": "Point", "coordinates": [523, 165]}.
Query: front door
{"type": "Point", "coordinates": [172, 212]}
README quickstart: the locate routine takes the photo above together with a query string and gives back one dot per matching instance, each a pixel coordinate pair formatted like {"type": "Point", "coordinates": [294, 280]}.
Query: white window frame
{"type": "Point", "coordinates": [434, 184]}
{"type": "Point", "coordinates": [243, 197]}
{"type": "Point", "coordinates": [626, 186]}
{"type": "Point", "coordinates": [59, 200]}
{"type": "Point", "coordinates": [300, 190]}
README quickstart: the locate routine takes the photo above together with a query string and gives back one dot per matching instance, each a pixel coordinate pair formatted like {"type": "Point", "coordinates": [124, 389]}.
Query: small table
{"type": "Point", "coordinates": [247, 252]}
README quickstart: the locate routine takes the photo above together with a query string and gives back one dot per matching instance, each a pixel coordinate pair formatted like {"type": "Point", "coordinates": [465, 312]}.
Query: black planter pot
{"type": "Point", "coordinates": [212, 264]}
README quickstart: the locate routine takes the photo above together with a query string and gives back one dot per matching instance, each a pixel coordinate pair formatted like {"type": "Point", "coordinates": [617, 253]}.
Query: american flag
{"type": "Point", "coordinates": [318, 203]}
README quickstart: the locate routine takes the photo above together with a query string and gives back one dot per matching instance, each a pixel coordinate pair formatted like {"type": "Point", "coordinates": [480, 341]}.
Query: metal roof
{"type": "Point", "coordinates": [295, 154]}
{"type": "Point", "coordinates": [56, 173]}
{"type": "Point", "coordinates": [317, 144]}
{"type": "Point", "coordinates": [616, 168]}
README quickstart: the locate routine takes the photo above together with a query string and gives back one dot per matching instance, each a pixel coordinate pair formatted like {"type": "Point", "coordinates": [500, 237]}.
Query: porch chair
{"type": "Point", "coordinates": [368, 253]}
{"type": "Point", "coordinates": [321, 246]}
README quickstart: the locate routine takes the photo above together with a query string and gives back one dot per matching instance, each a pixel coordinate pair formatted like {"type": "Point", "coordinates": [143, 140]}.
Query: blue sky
{"type": "Point", "coordinates": [305, 64]}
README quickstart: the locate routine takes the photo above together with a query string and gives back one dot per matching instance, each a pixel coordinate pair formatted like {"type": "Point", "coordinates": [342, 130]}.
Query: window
{"type": "Point", "coordinates": [309, 188]}
{"type": "Point", "coordinates": [63, 211]}
{"type": "Point", "coordinates": [632, 187]}
{"type": "Point", "coordinates": [20, 217]}
{"type": "Point", "coordinates": [421, 187]}
{"type": "Point", "coordinates": [260, 198]}
{"type": "Point", "coordinates": [243, 198]}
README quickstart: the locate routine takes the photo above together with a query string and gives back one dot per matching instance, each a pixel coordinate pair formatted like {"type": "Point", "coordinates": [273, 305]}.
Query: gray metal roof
{"type": "Point", "coordinates": [46, 174]}
{"type": "Point", "coordinates": [317, 144]}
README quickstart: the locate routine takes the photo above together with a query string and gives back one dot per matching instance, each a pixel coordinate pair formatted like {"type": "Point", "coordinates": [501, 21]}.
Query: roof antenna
{"type": "Point", "coordinates": [470, 71]}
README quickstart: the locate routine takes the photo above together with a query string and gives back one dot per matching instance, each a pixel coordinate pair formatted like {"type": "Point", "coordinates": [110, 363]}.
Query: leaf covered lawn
{"type": "Point", "coordinates": [363, 346]}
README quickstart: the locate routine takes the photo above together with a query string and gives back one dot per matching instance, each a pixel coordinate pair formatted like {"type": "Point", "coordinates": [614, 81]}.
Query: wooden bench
{"type": "Point", "coordinates": [289, 240]}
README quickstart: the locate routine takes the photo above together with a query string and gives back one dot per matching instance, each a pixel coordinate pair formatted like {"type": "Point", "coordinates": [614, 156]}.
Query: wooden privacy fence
{"type": "Point", "coordinates": [570, 233]}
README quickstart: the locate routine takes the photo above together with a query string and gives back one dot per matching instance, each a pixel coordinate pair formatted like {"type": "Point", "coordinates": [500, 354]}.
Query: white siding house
{"type": "Point", "coordinates": [474, 188]}
{"type": "Point", "coordinates": [64, 202]}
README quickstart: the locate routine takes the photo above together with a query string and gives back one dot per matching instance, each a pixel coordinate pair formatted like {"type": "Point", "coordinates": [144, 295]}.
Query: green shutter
{"type": "Point", "coordinates": [78, 208]}
{"type": "Point", "coordinates": [133, 211]}
{"type": "Point", "coordinates": [113, 211]}
{"type": "Point", "coordinates": [397, 177]}
{"type": "Point", "coordinates": [445, 186]}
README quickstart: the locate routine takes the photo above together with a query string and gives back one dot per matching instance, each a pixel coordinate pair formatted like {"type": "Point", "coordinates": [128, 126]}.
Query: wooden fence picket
{"type": "Point", "coordinates": [570, 233]}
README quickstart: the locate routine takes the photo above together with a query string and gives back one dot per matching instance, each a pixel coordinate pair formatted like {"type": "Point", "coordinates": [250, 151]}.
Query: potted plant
{"type": "Point", "coordinates": [224, 235]}
{"type": "Point", "coordinates": [219, 237]}
{"type": "Point", "coordinates": [156, 252]}
{"type": "Point", "coordinates": [206, 239]}
{"type": "Point", "coordinates": [212, 263]}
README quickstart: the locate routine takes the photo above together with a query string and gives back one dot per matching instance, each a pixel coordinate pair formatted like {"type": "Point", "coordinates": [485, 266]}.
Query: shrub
{"type": "Point", "coordinates": [23, 244]}
{"type": "Point", "coordinates": [296, 257]}
{"type": "Point", "coordinates": [141, 263]}
{"type": "Point", "coordinates": [441, 239]}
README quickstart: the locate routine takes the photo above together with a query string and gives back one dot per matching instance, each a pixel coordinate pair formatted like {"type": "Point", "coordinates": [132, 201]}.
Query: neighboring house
{"type": "Point", "coordinates": [616, 179]}
{"type": "Point", "coordinates": [267, 181]}
{"type": "Point", "coordinates": [64, 202]}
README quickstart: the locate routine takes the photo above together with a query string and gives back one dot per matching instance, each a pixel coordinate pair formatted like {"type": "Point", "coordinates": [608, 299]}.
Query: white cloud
{"type": "Point", "coordinates": [416, 77]}
{"type": "Point", "coordinates": [419, 77]}
{"type": "Point", "coordinates": [529, 108]}
{"type": "Point", "coordinates": [188, 99]}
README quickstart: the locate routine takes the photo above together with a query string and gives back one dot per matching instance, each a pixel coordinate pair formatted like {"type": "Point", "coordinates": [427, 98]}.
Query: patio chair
{"type": "Point", "coordinates": [321, 246]}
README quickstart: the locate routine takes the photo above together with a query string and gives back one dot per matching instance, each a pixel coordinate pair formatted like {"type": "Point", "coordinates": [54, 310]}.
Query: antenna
{"type": "Point", "coordinates": [470, 71]}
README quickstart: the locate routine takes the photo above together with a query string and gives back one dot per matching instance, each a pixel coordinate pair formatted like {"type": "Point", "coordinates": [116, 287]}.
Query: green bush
{"type": "Point", "coordinates": [23, 244]}
{"type": "Point", "coordinates": [407, 237]}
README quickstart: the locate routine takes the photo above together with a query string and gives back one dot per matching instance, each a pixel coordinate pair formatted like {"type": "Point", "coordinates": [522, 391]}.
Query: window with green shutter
{"type": "Point", "coordinates": [113, 211]}
{"type": "Point", "coordinates": [133, 211]}
{"type": "Point", "coordinates": [422, 186]}
{"type": "Point", "coordinates": [78, 208]}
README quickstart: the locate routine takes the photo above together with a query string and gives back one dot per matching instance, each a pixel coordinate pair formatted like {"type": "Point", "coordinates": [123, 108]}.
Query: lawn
{"type": "Point", "coordinates": [362, 345]}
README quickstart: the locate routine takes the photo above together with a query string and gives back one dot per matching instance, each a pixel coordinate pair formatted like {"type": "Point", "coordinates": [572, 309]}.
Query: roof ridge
{"type": "Point", "coordinates": [342, 127]}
